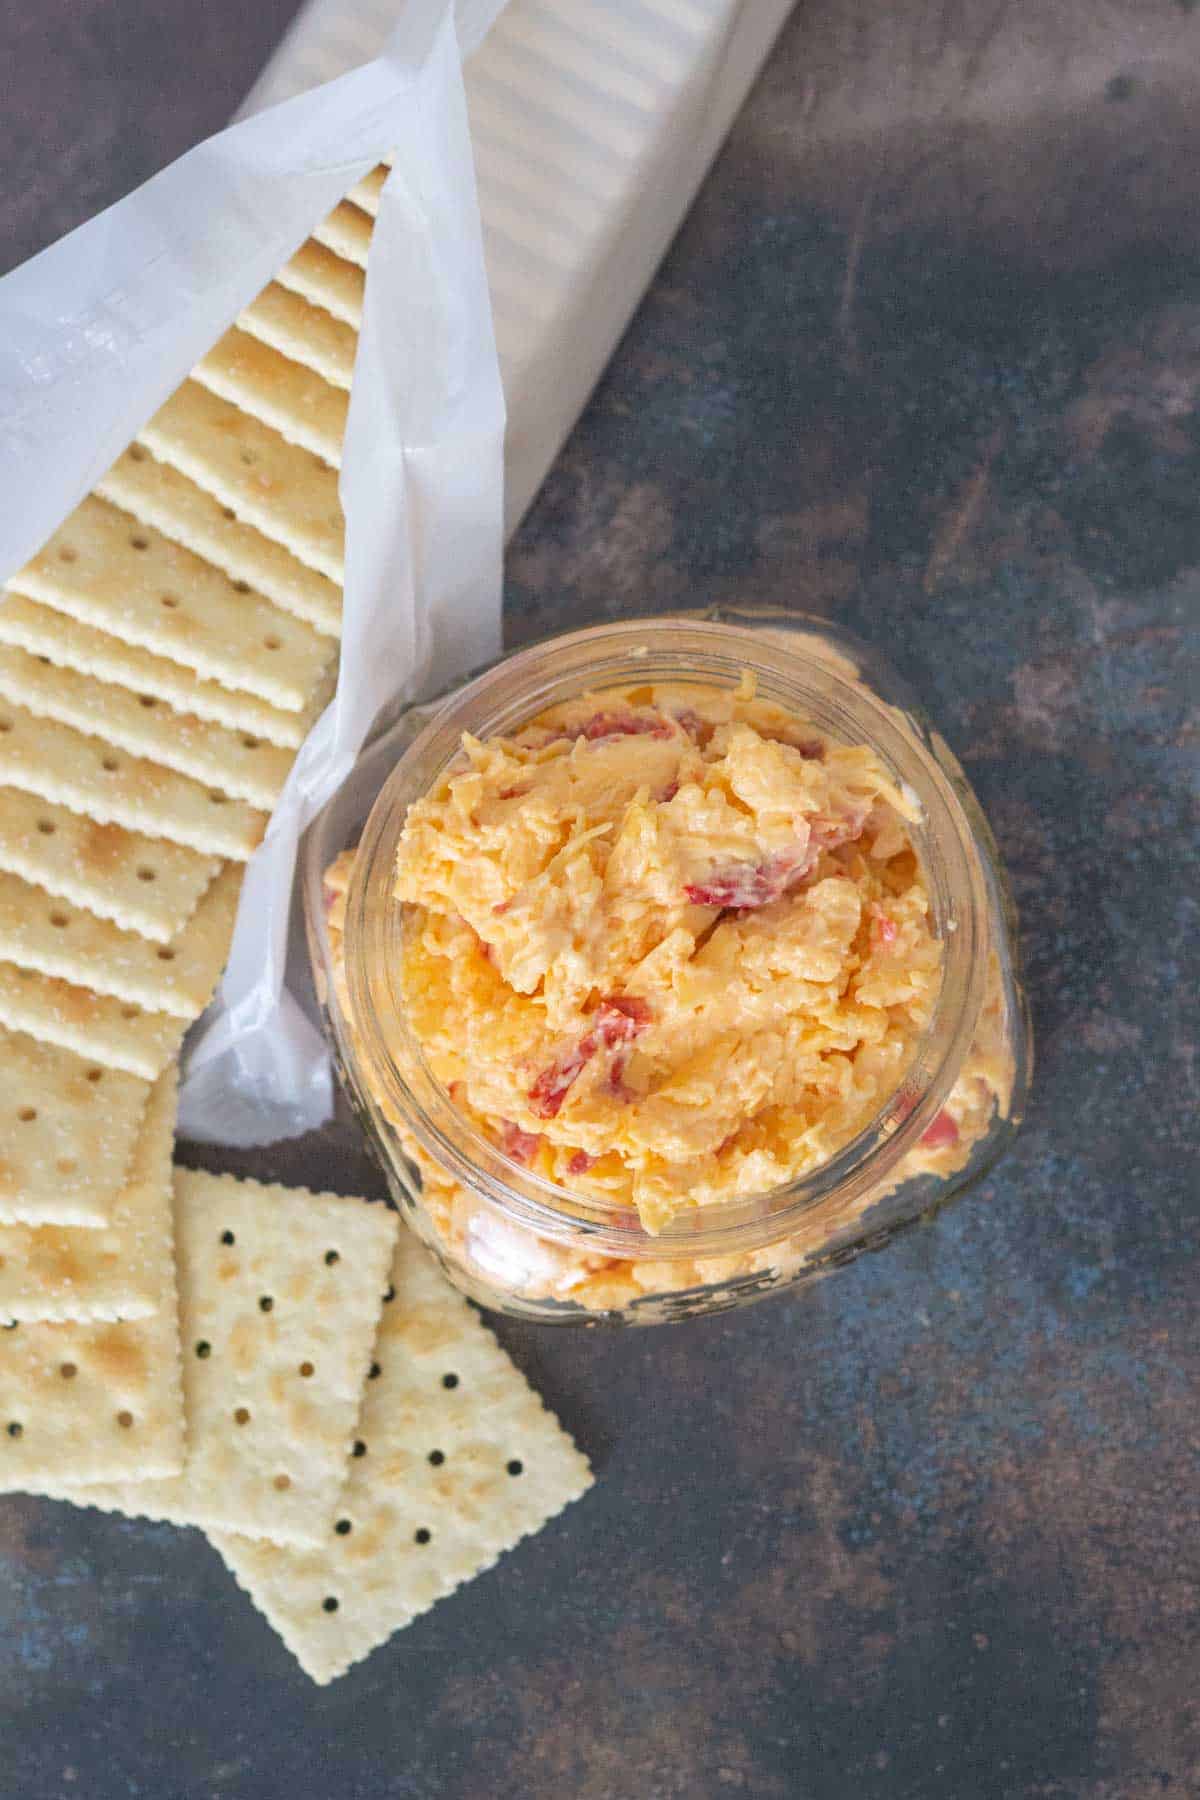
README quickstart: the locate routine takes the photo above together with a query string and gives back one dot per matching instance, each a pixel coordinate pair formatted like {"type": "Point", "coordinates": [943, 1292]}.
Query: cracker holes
{"type": "Point", "coordinates": [138, 542]}
{"type": "Point", "coordinates": [374, 1372]}
{"type": "Point", "coordinates": [147, 874]}
{"type": "Point", "coordinates": [248, 458]}
{"type": "Point", "coordinates": [27, 1114]}
{"type": "Point", "coordinates": [240, 587]}
{"type": "Point", "coordinates": [94, 1076]}
{"type": "Point", "coordinates": [241, 1416]}
{"type": "Point", "coordinates": [130, 1012]}
{"type": "Point", "coordinates": [5, 724]}
{"type": "Point", "coordinates": [59, 920]}
{"type": "Point", "coordinates": [110, 764]}
{"type": "Point", "coordinates": [170, 601]}
{"type": "Point", "coordinates": [47, 827]}
{"type": "Point", "coordinates": [329, 1604]}
{"type": "Point", "coordinates": [68, 1371]}
{"type": "Point", "coordinates": [449, 1381]}
{"type": "Point", "coordinates": [331, 1257]}
{"type": "Point", "coordinates": [125, 1421]}
{"type": "Point", "coordinates": [515, 1467]}
{"type": "Point", "coordinates": [15, 1428]}
{"type": "Point", "coordinates": [67, 553]}
{"type": "Point", "coordinates": [272, 642]}
{"type": "Point", "coordinates": [227, 1237]}
{"type": "Point", "coordinates": [147, 700]}
{"type": "Point", "coordinates": [66, 1165]}
{"type": "Point", "coordinates": [203, 1349]}
{"type": "Point", "coordinates": [389, 1294]}
{"type": "Point", "coordinates": [360, 1449]}
{"type": "Point", "coordinates": [343, 1528]}
{"type": "Point", "coordinates": [422, 1535]}
{"type": "Point", "coordinates": [250, 743]}
{"type": "Point", "coordinates": [165, 954]}
{"type": "Point", "coordinates": [265, 1303]}
{"type": "Point", "coordinates": [282, 1483]}
{"type": "Point", "coordinates": [436, 1458]}
{"type": "Point", "coordinates": [227, 512]}
{"type": "Point", "coordinates": [137, 454]}
{"type": "Point", "coordinates": [218, 799]}
{"type": "Point", "coordinates": [307, 1370]}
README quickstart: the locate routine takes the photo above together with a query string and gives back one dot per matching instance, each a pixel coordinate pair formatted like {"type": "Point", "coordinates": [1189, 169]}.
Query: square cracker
{"type": "Point", "coordinates": [160, 496]}
{"type": "Point", "coordinates": [101, 1399]}
{"type": "Point", "coordinates": [104, 783]}
{"type": "Point", "coordinates": [286, 493]}
{"type": "Point", "coordinates": [460, 1461]}
{"type": "Point", "coordinates": [111, 571]}
{"type": "Point", "coordinates": [70, 943]}
{"type": "Point", "coordinates": [267, 1443]}
{"type": "Point", "coordinates": [319, 275]}
{"type": "Point", "coordinates": [70, 645]}
{"type": "Point", "coordinates": [236, 762]}
{"type": "Point", "coordinates": [143, 884]}
{"type": "Point", "coordinates": [347, 232]}
{"type": "Point", "coordinates": [304, 332]}
{"type": "Point", "coordinates": [68, 1134]}
{"type": "Point", "coordinates": [300, 405]}
{"type": "Point", "coordinates": [365, 193]}
{"type": "Point", "coordinates": [116, 1271]}
{"type": "Point", "coordinates": [112, 1032]}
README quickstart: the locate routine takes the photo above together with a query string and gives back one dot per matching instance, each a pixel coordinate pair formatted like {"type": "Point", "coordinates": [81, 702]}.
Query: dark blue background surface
{"type": "Point", "coordinates": [925, 358]}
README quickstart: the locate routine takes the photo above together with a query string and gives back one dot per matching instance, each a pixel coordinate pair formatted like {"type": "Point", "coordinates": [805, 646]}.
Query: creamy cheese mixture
{"type": "Point", "coordinates": [667, 945]}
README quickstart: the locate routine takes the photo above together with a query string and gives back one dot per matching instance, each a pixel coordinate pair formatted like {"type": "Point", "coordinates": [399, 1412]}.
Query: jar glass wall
{"type": "Point", "coordinates": [555, 1251]}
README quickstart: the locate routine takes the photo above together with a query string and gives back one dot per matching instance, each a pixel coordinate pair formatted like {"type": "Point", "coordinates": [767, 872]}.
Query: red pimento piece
{"type": "Point", "coordinates": [580, 1162]}
{"type": "Point", "coordinates": [616, 1020]}
{"type": "Point", "coordinates": [668, 793]}
{"type": "Point", "coordinates": [812, 749]}
{"type": "Point", "coordinates": [885, 927]}
{"type": "Point", "coordinates": [609, 724]}
{"type": "Point", "coordinates": [696, 727]}
{"type": "Point", "coordinates": [520, 1145]}
{"type": "Point", "coordinates": [941, 1134]}
{"type": "Point", "coordinates": [745, 886]}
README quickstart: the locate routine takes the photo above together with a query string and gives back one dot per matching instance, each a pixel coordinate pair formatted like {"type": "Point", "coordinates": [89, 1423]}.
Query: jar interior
{"type": "Point", "coordinates": [819, 687]}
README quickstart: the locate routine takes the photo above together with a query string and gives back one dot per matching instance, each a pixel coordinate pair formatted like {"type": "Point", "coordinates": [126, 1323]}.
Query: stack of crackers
{"type": "Point", "coordinates": [275, 1367]}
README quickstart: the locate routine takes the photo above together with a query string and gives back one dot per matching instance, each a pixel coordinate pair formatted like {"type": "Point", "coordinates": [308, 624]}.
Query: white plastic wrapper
{"type": "Point", "coordinates": [100, 328]}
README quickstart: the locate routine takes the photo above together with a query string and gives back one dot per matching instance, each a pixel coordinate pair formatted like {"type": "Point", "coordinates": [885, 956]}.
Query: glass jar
{"type": "Point", "coordinates": [521, 1244]}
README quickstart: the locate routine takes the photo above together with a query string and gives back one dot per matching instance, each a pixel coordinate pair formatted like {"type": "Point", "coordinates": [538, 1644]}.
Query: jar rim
{"type": "Point", "coordinates": [796, 666]}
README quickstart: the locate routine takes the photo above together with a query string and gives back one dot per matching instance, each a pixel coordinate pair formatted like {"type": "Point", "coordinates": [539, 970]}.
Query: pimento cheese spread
{"type": "Point", "coordinates": [666, 945]}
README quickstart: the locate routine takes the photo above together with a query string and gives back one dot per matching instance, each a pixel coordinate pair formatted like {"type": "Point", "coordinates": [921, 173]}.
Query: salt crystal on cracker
{"type": "Point", "coordinates": [109, 570]}
{"type": "Point", "coordinates": [109, 785]}
{"type": "Point", "coordinates": [459, 1461]}
{"type": "Point", "coordinates": [143, 884]}
{"type": "Point", "coordinates": [286, 493]}
{"type": "Point", "coordinates": [69, 1131]}
{"type": "Point", "coordinates": [237, 762]}
{"type": "Point", "coordinates": [267, 385]}
{"type": "Point", "coordinates": [102, 1400]}
{"type": "Point", "coordinates": [67, 644]}
{"type": "Point", "coordinates": [38, 931]}
{"type": "Point", "coordinates": [279, 1296]}
{"type": "Point", "coordinates": [114, 1271]}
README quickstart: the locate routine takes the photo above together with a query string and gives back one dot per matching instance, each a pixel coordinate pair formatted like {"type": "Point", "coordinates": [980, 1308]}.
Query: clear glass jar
{"type": "Point", "coordinates": [517, 1242]}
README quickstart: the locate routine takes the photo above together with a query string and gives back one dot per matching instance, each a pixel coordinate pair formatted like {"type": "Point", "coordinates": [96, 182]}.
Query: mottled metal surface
{"type": "Point", "coordinates": [926, 358]}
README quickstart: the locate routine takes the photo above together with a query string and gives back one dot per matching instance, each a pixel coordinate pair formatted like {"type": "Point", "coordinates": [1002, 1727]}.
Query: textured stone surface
{"type": "Point", "coordinates": [926, 358]}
